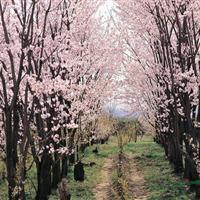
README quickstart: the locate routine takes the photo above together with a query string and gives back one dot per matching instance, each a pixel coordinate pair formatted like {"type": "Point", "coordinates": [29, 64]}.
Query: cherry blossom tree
{"type": "Point", "coordinates": [54, 61]}
{"type": "Point", "coordinates": [162, 37]}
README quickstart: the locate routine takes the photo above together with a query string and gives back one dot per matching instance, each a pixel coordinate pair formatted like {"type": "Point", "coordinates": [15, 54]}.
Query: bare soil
{"type": "Point", "coordinates": [102, 191]}
{"type": "Point", "coordinates": [133, 176]}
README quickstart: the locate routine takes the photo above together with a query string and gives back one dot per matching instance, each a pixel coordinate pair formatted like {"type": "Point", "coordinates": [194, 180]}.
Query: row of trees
{"type": "Point", "coordinates": [161, 42]}
{"type": "Point", "coordinates": [53, 62]}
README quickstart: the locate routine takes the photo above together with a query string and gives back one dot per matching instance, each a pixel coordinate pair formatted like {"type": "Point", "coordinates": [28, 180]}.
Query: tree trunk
{"type": "Point", "coordinates": [56, 171]}
{"type": "Point", "coordinates": [22, 178]}
{"type": "Point", "coordinates": [71, 146]}
{"type": "Point", "coordinates": [11, 155]}
{"type": "Point", "coordinates": [44, 178]}
{"type": "Point", "coordinates": [63, 191]}
{"type": "Point", "coordinates": [64, 170]}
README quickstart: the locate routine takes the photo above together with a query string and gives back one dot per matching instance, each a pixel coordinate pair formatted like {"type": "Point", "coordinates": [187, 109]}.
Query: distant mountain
{"type": "Point", "coordinates": [121, 113]}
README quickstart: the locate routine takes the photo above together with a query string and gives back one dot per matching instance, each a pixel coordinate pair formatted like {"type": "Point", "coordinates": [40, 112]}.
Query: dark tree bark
{"type": "Point", "coordinates": [44, 177]}
{"type": "Point", "coordinates": [56, 171]}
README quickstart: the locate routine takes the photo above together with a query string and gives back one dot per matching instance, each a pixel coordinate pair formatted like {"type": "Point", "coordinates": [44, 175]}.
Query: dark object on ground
{"type": "Point", "coordinates": [95, 150]}
{"type": "Point", "coordinates": [103, 141]}
{"type": "Point", "coordinates": [92, 164]}
{"type": "Point", "coordinates": [79, 172]}
{"type": "Point", "coordinates": [63, 191]}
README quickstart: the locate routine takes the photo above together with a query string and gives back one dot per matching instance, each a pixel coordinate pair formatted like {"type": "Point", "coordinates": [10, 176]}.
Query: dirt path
{"type": "Point", "coordinates": [134, 178]}
{"type": "Point", "coordinates": [103, 189]}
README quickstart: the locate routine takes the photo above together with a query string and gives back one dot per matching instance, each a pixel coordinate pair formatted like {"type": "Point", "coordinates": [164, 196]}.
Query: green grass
{"type": "Point", "coordinates": [161, 183]}
{"type": "Point", "coordinates": [79, 191]}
